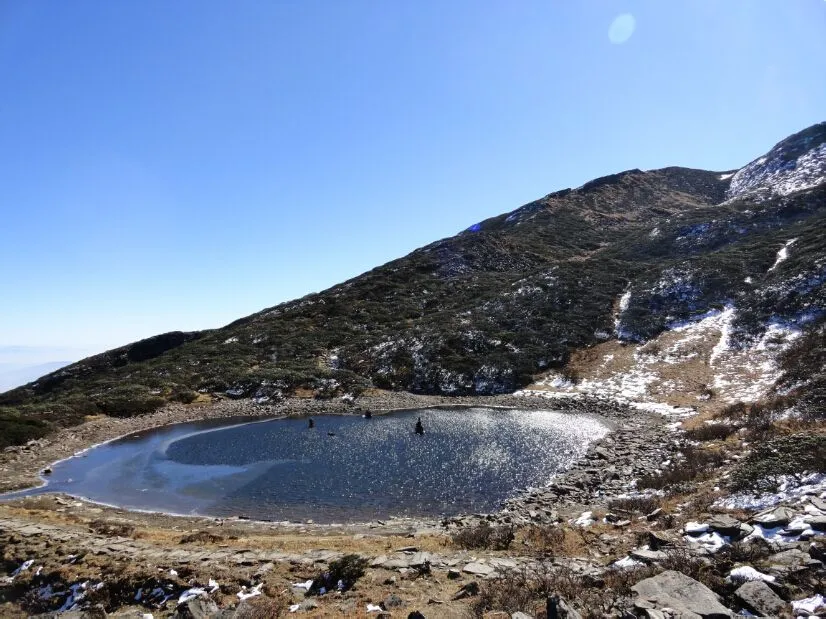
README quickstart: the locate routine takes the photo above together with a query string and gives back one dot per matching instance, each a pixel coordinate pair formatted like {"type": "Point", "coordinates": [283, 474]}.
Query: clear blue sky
{"type": "Point", "coordinates": [177, 165]}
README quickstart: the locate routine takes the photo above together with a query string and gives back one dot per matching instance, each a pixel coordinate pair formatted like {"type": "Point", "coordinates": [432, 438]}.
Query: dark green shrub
{"type": "Point", "coordinates": [17, 430]}
{"type": "Point", "coordinates": [345, 571]}
{"type": "Point", "coordinates": [795, 455]}
{"type": "Point", "coordinates": [693, 462]}
{"type": "Point", "coordinates": [711, 432]}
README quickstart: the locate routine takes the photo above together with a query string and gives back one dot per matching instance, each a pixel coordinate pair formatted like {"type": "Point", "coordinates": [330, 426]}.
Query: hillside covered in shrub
{"type": "Point", "coordinates": [625, 256]}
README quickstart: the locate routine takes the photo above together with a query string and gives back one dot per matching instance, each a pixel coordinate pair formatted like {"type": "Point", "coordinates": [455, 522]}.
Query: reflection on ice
{"type": "Point", "coordinates": [346, 468]}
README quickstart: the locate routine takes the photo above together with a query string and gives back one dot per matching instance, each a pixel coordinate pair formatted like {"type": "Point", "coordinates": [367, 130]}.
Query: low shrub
{"type": "Point", "coordinates": [263, 607]}
{"type": "Point", "coordinates": [788, 456]}
{"type": "Point", "coordinates": [201, 537]}
{"type": "Point", "coordinates": [642, 505]}
{"type": "Point", "coordinates": [341, 575]}
{"type": "Point", "coordinates": [691, 464]}
{"type": "Point", "coordinates": [545, 540]}
{"type": "Point", "coordinates": [484, 536]}
{"type": "Point", "coordinates": [711, 432]}
{"type": "Point", "coordinates": [512, 592]}
{"type": "Point", "coordinates": [112, 529]}
{"type": "Point", "coordinates": [17, 430]}
{"type": "Point", "coordinates": [526, 591]}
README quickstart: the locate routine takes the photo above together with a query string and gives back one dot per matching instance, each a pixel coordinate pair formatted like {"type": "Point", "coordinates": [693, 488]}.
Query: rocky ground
{"type": "Point", "coordinates": [644, 525]}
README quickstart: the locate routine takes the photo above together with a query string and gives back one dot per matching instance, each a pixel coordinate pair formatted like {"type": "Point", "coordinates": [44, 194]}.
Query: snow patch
{"type": "Point", "coordinates": [809, 605]}
{"type": "Point", "coordinates": [791, 489]}
{"type": "Point", "coordinates": [746, 572]}
{"type": "Point", "coordinates": [775, 174]}
{"type": "Point", "coordinates": [245, 594]}
{"type": "Point", "coordinates": [782, 255]}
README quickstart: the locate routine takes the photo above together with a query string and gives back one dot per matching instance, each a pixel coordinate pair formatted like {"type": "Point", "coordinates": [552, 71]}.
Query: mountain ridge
{"type": "Point", "coordinates": [493, 307]}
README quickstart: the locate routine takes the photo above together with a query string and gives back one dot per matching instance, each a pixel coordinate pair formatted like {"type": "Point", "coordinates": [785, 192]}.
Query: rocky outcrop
{"type": "Point", "coordinates": [758, 598]}
{"type": "Point", "coordinates": [680, 595]}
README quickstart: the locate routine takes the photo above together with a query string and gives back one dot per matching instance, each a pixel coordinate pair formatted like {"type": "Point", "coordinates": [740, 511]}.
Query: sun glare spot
{"type": "Point", "coordinates": [621, 28]}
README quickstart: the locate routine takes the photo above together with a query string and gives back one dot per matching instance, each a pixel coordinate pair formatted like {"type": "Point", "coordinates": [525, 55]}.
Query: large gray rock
{"type": "Point", "coordinates": [478, 569]}
{"type": "Point", "coordinates": [793, 560]}
{"type": "Point", "coordinates": [818, 502]}
{"type": "Point", "coordinates": [196, 608]}
{"type": "Point", "coordinates": [683, 595]}
{"type": "Point", "coordinates": [758, 597]}
{"type": "Point", "coordinates": [648, 556]}
{"type": "Point", "coordinates": [817, 522]}
{"type": "Point", "coordinates": [419, 559]}
{"type": "Point", "coordinates": [725, 525]}
{"type": "Point", "coordinates": [777, 517]}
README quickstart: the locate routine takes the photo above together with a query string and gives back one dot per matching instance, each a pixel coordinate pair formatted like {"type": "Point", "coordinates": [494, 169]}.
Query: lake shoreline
{"type": "Point", "coordinates": [21, 467]}
{"type": "Point", "coordinates": [483, 455]}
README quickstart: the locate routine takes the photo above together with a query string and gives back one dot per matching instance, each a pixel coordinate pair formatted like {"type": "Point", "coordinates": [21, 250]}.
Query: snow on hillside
{"type": "Point", "coordinates": [793, 165]}
{"type": "Point", "coordinates": [681, 369]}
{"type": "Point", "coordinates": [782, 255]}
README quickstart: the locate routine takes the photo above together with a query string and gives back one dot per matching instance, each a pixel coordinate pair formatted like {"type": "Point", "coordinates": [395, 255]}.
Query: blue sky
{"type": "Point", "coordinates": [179, 165]}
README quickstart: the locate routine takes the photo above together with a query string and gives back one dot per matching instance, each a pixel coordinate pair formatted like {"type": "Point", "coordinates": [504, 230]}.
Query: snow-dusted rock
{"type": "Point", "coordinates": [777, 517]}
{"type": "Point", "coordinates": [725, 525]}
{"type": "Point", "coordinates": [681, 594]}
{"type": "Point", "coordinates": [758, 598]}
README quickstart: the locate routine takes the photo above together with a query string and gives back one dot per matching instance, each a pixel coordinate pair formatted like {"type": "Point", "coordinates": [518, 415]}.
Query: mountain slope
{"type": "Point", "coordinates": [626, 256]}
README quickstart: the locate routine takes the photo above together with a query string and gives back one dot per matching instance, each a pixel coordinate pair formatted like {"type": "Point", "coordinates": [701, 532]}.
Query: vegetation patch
{"type": "Point", "coordinates": [484, 536]}
{"type": "Point", "coordinates": [341, 575]}
{"type": "Point", "coordinates": [770, 463]}
{"type": "Point", "coordinates": [689, 464]}
{"type": "Point", "coordinates": [16, 429]}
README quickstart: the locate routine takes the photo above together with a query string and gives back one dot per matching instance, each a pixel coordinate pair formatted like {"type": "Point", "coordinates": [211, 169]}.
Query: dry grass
{"type": "Point", "coordinates": [692, 464]}
{"type": "Point", "coordinates": [642, 505]}
{"type": "Point", "coordinates": [484, 536]}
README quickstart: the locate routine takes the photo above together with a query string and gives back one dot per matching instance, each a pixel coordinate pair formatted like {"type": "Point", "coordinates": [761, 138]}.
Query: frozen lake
{"type": "Point", "coordinates": [345, 469]}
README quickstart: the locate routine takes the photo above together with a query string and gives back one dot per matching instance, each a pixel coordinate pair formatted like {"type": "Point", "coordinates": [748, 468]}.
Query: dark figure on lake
{"type": "Point", "coordinates": [419, 427]}
{"type": "Point", "coordinates": [368, 415]}
{"type": "Point", "coordinates": [311, 424]}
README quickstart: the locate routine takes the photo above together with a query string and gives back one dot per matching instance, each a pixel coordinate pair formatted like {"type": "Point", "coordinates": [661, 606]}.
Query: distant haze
{"type": "Point", "coordinates": [22, 364]}
{"type": "Point", "coordinates": [12, 376]}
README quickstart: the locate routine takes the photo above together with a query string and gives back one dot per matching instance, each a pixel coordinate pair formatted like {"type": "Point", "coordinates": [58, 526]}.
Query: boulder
{"type": "Point", "coordinates": [419, 559]}
{"type": "Point", "coordinates": [794, 559]}
{"type": "Point", "coordinates": [196, 608]}
{"type": "Point", "coordinates": [817, 550]}
{"type": "Point", "coordinates": [817, 522]}
{"type": "Point", "coordinates": [681, 594]}
{"type": "Point", "coordinates": [660, 539]}
{"type": "Point", "coordinates": [725, 525]}
{"type": "Point", "coordinates": [478, 569]}
{"type": "Point", "coordinates": [777, 517]}
{"type": "Point", "coordinates": [654, 515]}
{"type": "Point", "coordinates": [818, 502]}
{"type": "Point", "coordinates": [758, 598]}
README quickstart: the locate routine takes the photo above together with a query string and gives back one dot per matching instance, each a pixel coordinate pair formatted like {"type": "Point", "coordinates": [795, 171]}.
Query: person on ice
{"type": "Point", "coordinates": [419, 427]}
